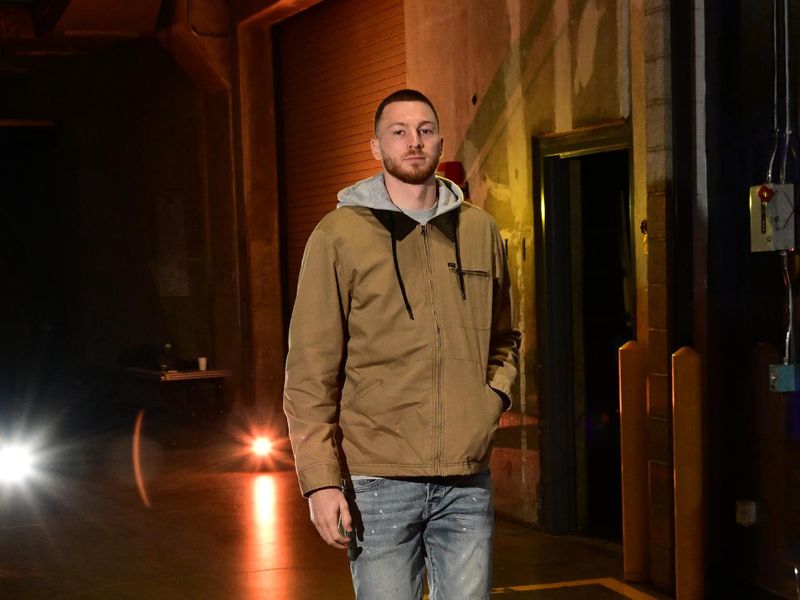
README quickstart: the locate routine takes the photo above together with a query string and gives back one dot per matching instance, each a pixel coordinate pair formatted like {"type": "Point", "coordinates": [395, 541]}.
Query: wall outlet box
{"type": "Point", "coordinates": [772, 222]}
{"type": "Point", "coordinates": [746, 513]}
{"type": "Point", "coordinates": [782, 378]}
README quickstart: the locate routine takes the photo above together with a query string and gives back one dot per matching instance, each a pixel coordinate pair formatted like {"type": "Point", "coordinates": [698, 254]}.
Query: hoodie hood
{"type": "Point", "coordinates": [371, 193]}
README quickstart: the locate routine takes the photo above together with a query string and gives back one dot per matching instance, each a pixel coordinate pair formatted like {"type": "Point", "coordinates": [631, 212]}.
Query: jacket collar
{"type": "Point", "coordinates": [403, 224]}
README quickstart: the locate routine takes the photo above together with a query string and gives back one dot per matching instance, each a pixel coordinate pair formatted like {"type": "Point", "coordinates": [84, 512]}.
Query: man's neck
{"type": "Point", "coordinates": [408, 196]}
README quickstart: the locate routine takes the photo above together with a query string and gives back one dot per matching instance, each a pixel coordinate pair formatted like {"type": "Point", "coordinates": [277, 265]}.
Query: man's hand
{"type": "Point", "coordinates": [327, 506]}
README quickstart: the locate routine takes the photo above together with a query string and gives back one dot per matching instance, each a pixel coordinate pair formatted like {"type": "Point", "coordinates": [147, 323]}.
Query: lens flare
{"type": "Point", "coordinates": [262, 446]}
{"type": "Point", "coordinates": [137, 462]}
{"type": "Point", "coordinates": [16, 463]}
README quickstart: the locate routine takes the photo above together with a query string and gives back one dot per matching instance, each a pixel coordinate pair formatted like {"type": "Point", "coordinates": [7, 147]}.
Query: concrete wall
{"type": "Point", "coordinates": [500, 74]}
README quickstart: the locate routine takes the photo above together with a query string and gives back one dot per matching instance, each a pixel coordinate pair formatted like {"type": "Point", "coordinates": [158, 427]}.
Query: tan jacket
{"type": "Point", "coordinates": [400, 335]}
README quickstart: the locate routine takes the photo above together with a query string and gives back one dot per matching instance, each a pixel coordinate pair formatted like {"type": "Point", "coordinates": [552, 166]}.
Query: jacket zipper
{"type": "Point", "coordinates": [437, 357]}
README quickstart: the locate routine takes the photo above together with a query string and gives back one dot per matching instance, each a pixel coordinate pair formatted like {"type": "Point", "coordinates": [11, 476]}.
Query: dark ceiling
{"type": "Point", "coordinates": [36, 33]}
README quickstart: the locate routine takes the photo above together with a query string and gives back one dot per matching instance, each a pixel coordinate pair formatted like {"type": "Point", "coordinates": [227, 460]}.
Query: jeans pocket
{"type": "Point", "coordinates": [365, 484]}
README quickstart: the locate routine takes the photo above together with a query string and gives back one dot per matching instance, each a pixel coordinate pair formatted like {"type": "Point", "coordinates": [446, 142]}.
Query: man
{"type": "Point", "coordinates": [401, 358]}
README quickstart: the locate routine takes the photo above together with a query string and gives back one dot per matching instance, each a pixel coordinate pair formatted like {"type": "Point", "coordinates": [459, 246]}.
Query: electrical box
{"type": "Point", "coordinates": [772, 225]}
{"type": "Point", "coordinates": [782, 378]}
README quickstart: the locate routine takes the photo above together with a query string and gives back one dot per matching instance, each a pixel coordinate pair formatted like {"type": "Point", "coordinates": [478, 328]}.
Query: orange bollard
{"type": "Point", "coordinates": [633, 439]}
{"type": "Point", "coordinates": [687, 442]}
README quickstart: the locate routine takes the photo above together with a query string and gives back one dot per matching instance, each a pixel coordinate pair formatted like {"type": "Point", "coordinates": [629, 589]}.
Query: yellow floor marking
{"type": "Point", "coordinates": [612, 584]}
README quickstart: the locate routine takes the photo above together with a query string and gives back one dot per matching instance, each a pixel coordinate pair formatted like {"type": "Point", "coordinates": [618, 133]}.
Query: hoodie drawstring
{"type": "Point", "coordinates": [393, 234]}
{"type": "Point", "coordinates": [459, 270]}
{"type": "Point", "coordinates": [389, 220]}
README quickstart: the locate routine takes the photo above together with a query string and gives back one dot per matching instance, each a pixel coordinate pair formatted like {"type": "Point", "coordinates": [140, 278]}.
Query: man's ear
{"type": "Point", "coordinates": [375, 146]}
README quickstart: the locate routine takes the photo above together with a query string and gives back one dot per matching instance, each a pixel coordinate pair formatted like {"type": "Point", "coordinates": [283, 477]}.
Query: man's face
{"type": "Point", "coordinates": [408, 142]}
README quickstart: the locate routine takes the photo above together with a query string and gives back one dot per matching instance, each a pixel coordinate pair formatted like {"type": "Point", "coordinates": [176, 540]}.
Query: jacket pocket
{"type": "Point", "coordinates": [476, 299]}
{"type": "Point", "coordinates": [496, 401]}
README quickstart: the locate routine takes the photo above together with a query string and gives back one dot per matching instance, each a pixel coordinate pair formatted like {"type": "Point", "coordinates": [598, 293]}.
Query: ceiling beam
{"type": "Point", "coordinates": [267, 12]}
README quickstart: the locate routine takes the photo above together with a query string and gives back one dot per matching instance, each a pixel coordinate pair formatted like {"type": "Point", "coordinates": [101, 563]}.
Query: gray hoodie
{"type": "Point", "coordinates": [371, 193]}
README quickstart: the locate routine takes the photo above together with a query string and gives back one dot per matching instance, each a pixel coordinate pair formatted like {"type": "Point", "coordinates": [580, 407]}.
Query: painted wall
{"type": "Point", "coordinates": [501, 73]}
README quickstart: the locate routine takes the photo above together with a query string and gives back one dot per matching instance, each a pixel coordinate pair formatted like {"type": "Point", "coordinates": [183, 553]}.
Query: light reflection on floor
{"type": "Point", "coordinates": [218, 531]}
{"type": "Point", "coordinates": [266, 577]}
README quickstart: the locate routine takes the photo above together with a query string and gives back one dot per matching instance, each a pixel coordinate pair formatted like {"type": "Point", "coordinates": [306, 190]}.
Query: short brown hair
{"type": "Point", "coordinates": [406, 95]}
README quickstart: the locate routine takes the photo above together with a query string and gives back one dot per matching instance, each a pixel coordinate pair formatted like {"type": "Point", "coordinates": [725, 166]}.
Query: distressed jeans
{"type": "Point", "coordinates": [402, 525]}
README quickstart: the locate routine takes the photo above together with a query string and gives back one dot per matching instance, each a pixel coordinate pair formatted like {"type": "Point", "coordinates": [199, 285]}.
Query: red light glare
{"type": "Point", "coordinates": [262, 446]}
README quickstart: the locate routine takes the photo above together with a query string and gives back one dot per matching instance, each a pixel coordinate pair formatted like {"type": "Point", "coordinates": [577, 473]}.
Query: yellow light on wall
{"type": "Point", "coordinates": [541, 209]}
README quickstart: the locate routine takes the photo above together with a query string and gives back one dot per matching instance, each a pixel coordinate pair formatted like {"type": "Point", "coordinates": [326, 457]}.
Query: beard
{"type": "Point", "coordinates": [410, 174]}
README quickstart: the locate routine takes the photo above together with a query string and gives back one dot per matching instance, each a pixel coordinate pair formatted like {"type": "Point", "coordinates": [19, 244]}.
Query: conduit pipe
{"type": "Point", "coordinates": [633, 439]}
{"type": "Point", "coordinates": [687, 442]}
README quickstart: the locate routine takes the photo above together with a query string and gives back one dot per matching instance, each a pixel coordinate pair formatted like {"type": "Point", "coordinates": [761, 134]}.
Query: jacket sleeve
{"type": "Point", "coordinates": [505, 338]}
{"type": "Point", "coordinates": [313, 363]}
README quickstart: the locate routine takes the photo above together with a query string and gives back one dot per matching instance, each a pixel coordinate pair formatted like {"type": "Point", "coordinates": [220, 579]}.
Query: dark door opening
{"type": "Point", "coordinates": [585, 266]}
{"type": "Point", "coordinates": [607, 315]}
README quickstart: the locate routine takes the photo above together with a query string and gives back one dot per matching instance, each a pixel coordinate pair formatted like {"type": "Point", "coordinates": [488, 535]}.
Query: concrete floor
{"type": "Point", "coordinates": [218, 528]}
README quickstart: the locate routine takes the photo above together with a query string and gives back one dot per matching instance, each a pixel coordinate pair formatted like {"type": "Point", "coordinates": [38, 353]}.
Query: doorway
{"type": "Point", "coordinates": [585, 313]}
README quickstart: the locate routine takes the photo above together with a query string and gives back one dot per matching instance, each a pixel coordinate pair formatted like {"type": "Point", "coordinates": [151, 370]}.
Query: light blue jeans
{"type": "Point", "coordinates": [402, 525]}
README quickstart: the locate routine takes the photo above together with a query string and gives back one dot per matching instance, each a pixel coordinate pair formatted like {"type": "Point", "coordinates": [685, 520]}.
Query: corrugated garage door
{"type": "Point", "coordinates": [335, 62]}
